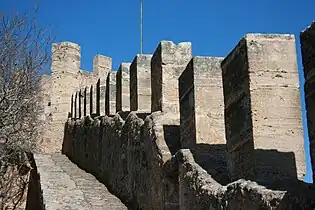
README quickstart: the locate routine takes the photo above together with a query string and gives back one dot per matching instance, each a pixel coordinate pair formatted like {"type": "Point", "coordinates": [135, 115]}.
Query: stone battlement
{"type": "Point", "coordinates": [165, 116]}
{"type": "Point", "coordinates": [66, 77]}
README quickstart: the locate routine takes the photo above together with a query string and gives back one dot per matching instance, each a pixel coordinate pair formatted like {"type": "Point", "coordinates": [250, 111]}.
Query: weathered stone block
{"type": "Point", "coordinates": [87, 101]}
{"type": "Point", "coordinates": [307, 39]}
{"type": "Point", "coordinates": [201, 102]}
{"type": "Point", "coordinates": [102, 99]}
{"type": "Point", "coordinates": [122, 88]}
{"type": "Point", "coordinates": [64, 67]}
{"type": "Point", "coordinates": [93, 100]}
{"type": "Point", "coordinates": [81, 103]}
{"type": "Point", "coordinates": [168, 62]}
{"type": "Point", "coordinates": [77, 105]}
{"type": "Point", "coordinates": [73, 106]}
{"type": "Point", "coordinates": [66, 56]}
{"type": "Point", "coordinates": [98, 97]}
{"type": "Point", "coordinates": [262, 109]}
{"type": "Point", "coordinates": [140, 83]}
{"type": "Point", "coordinates": [110, 97]}
{"type": "Point", "coordinates": [102, 65]}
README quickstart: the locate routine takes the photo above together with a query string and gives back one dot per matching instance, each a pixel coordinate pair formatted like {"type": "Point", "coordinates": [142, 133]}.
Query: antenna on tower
{"type": "Point", "coordinates": [141, 27]}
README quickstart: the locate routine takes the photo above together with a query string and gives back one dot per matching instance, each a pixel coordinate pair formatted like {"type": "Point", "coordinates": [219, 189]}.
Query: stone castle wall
{"type": "Point", "coordinates": [66, 77]}
{"type": "Point", "coordinates": [176, 131]}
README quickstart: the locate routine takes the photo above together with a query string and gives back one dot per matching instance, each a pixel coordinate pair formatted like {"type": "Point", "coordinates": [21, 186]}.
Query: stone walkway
{"type": "Point", "coordinates": [65, 186]}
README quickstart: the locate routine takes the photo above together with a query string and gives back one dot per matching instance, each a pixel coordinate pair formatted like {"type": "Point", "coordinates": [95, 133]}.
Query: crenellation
{"type": "Point", "coordinates": [102, 65]}
{"type": "Point", "coordinates": [140, 83]}
{"type": "Point", "coordinates": [73, 106]}
{"type": "Point", "coordinates": [81, 103]}
{"type": "Point", "coordinates": [168, 62]}
{"type": "Point", "coordinates": [98, 97]}
{"type": "Point", "coordinates": [201, 102]}
{"type": "Point", "coordinates": [262, 103]}
{"type": "Point", "coordinates": [77, 105]}
{"type": "Point", "coordinates": [110, 97]}
{"type": "Point", "coordinates": [93, 101]}
{"type": "Point", "coordinates": [67, 77]}
{"type": "Point", "coordinates": [87, 111]}
{"type": "Point", "coordinates": [102, 99]}
{"type": "Point", "coordinates": [122, 87]}
{"type": "Point", "coordinates": [66, 57]}
{"type": "Point", "coordinates": [239, 118]}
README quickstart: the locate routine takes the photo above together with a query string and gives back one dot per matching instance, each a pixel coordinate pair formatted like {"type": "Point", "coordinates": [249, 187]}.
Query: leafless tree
{"type": "Point", "coordinates": [23, 56]}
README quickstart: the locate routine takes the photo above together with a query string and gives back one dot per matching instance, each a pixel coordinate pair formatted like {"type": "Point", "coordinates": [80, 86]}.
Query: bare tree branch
{"type": "Point", "coordinates": [23, 56]}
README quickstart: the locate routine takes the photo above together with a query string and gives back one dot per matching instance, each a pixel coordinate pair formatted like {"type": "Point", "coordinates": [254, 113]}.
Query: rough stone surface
{"type": "Point", "coordinates": [77, 105]}
{"type": "Point", "coordinates": [134, 159]}
{"type": "Point", "coordinates": [198, 190]}
{"type": "Point", "coordinates": [201, 102]}
{"type": "Point", "coordinates": [307, 39]}
{"type": "Point", "coordinates": [87, 101]}
{"type": "Point", "coordinates": [81, 103]}
{"type": "Point", "coordinates": [93, 99]}
{"type": "Point", "coordinates": [128, 156]}
{"type": "Point", "coordinates": [263, 118]}
{"type": "Point", "coordinates": [168, 62]}
{"type": "Point", "coordinates": [110, 95]}
{"type": "Point", "coordinates": [140, 83]}
{"type": "Point", "coordinates": [139, 155]}
{"type": "Point", "coordinates": [65, 186]}
{"type": "Point", "coordinates": [123, 87]}
{"type": "Point", "coordinates": [66, 78]}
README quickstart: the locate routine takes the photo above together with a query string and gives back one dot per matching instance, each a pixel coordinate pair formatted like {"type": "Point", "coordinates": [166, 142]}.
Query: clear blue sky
{"type": "Point", "coordinates": [111, 27]}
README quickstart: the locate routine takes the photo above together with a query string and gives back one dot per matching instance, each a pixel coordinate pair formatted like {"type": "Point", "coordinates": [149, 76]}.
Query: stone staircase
{"type": "Point", "coordinates": [65, 186]}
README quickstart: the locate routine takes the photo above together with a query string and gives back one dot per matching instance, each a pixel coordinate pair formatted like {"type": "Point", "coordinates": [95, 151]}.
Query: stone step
{"type": "Point", "coordinates": [66, 186]}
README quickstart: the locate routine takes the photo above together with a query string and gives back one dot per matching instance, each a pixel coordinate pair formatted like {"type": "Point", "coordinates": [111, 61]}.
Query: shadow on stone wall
{"type": "Point", "coordinates": [212, 158]}
{"type": "Point", "coordinates": [126, 155]}
{"type": "Point", "coordinates": [172, 137]}
{"type": "Point", "coordinates": [34, 193]}
{"type": "Point", "coordinates": [137, 160]}
{"type": "Point", "coordinates": [198, 190]}
{"type": "Point", "coordinates": [277, 168]}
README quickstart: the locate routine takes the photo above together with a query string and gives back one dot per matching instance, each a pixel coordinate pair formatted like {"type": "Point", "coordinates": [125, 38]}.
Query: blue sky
{"type": "Point", "coordinates": [111, 27]}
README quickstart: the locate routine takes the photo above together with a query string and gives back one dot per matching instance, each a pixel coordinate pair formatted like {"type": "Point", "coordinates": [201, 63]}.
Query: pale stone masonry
{"type": "Point", "coordinates": [73, 106]}
{"type": "Point", "coordinates": [307, 39]}
{"type": "Point", "coordinates": [110, 97]}
{"type": "Point", "coordinates": [168, 62]}
{"type": "Point", "coordinates": [262, 109]}
{"type": "Point", "coordinates": [102, 98]}
{"type": "Point", "coordinates": [98, 97]}
{"type": "Point", "coordinates": [239, 118]}
{"type": "Point", "coordinates": [93, 100]}
{"type": "Point", "coordinates": [122, 87]}
{"type": "Point", "coordinates": [81, 103]}
{"type": "Point", "coordinates": [140, 83]}
{"type": "Point", "coordinates": [86, 101]}
{"type": "Point", "coordinates": [201, 102]}
{"type": "Point", "coordinates": [66, 78]}
{"type": "Point", "coordinates": [77, 105]}
{"type": "Point", "coordinates": [102, 65]}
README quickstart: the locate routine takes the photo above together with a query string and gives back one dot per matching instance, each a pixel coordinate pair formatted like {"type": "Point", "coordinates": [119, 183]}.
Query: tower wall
{"type": "Point", "coordinates": [140, 83]}
{"type": "Point", "coordinates": [262, 109]}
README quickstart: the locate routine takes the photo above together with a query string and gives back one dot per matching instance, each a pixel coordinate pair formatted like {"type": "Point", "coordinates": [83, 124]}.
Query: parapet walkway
{"type": "Point", "coordinates": [65, 186]}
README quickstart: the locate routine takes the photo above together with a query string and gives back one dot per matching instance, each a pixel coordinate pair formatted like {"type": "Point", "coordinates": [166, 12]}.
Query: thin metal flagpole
{"type": "Point", "coordinates": [141, 19]}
